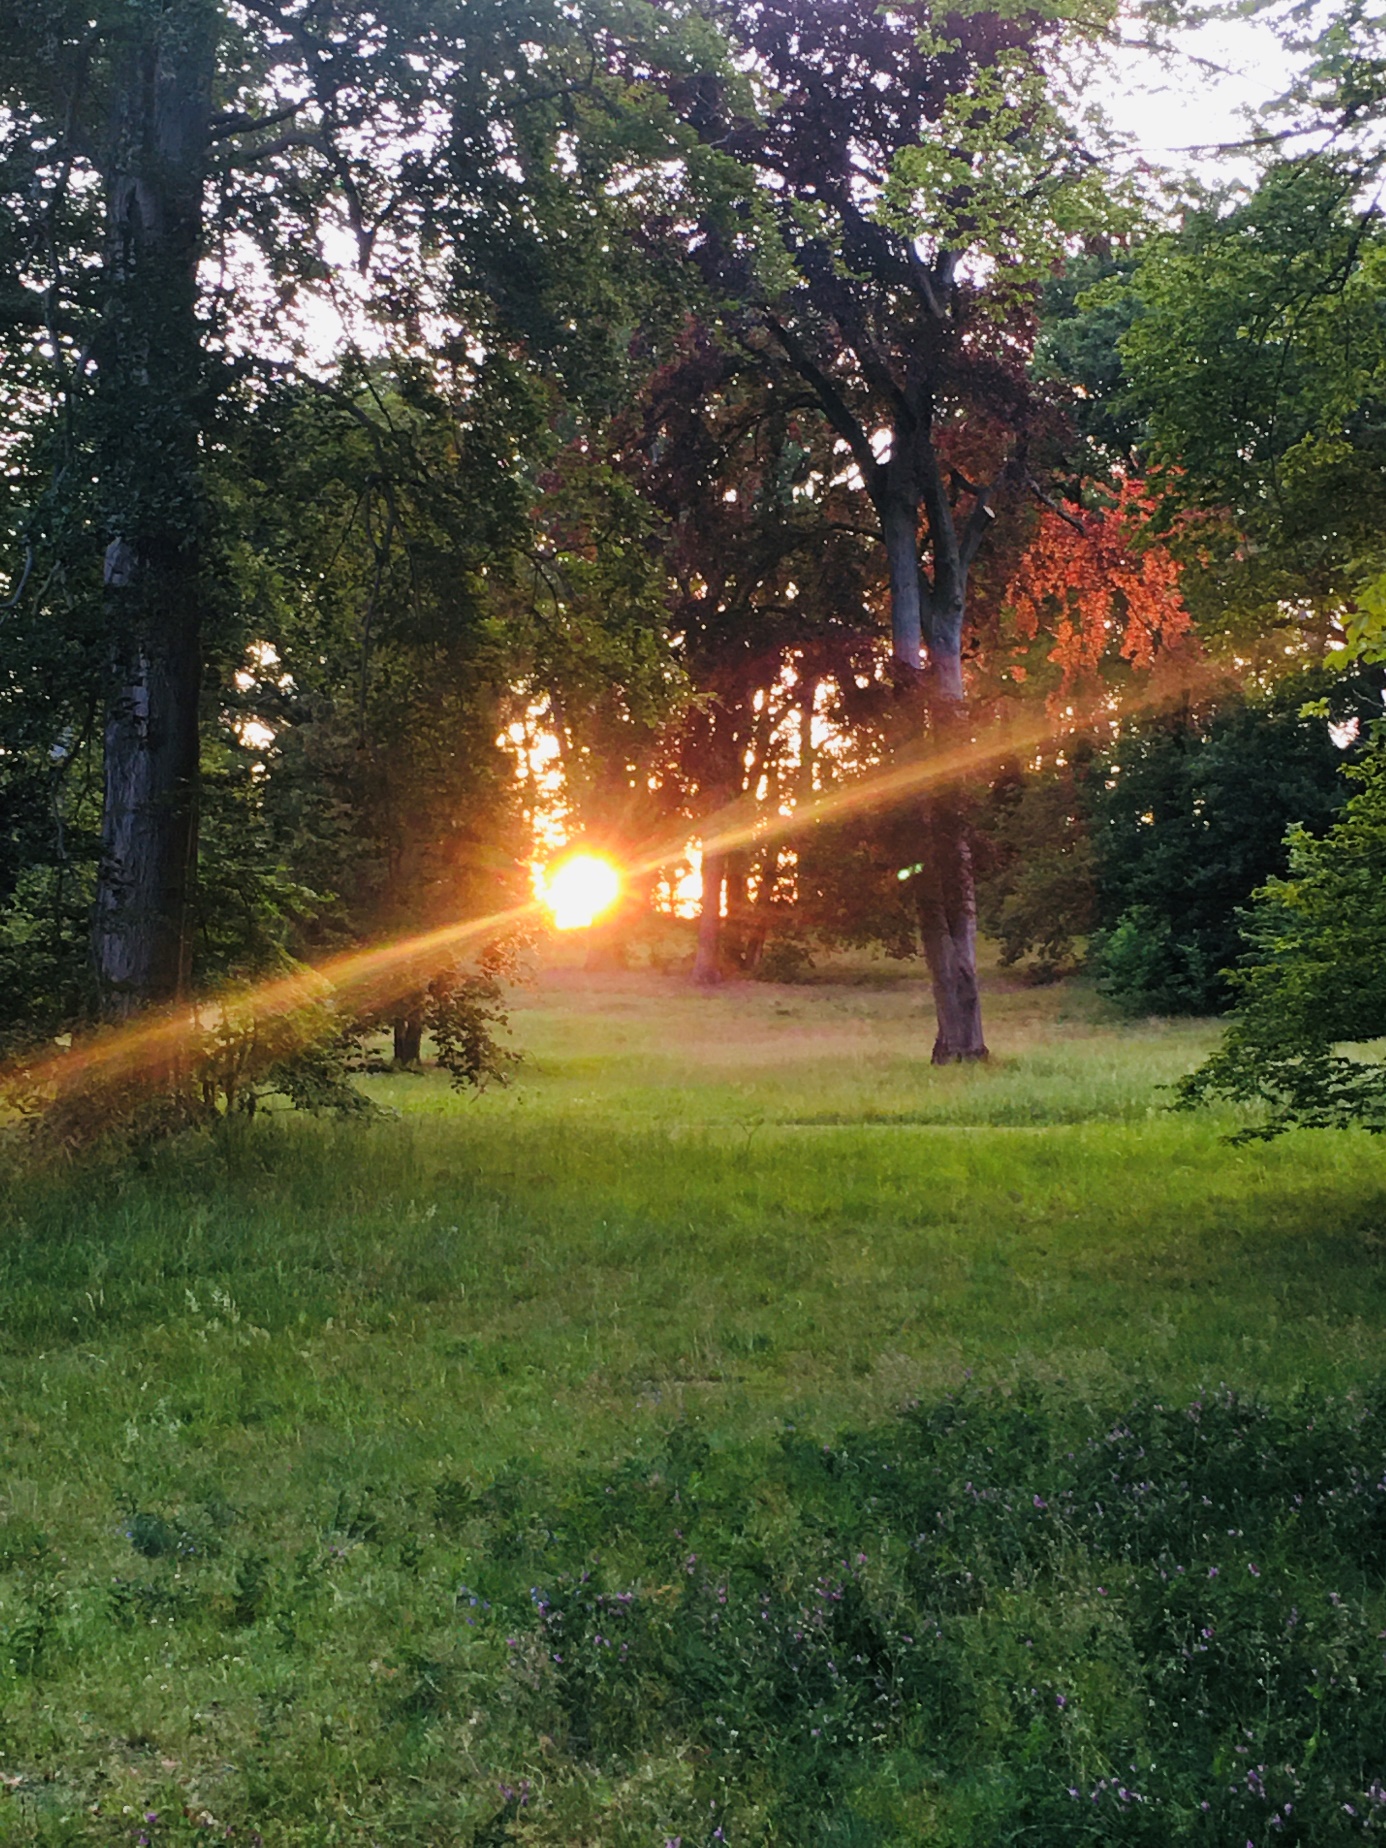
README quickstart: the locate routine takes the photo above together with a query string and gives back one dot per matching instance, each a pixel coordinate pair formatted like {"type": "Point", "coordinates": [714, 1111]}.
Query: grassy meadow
{"type": "Point", "coordinates": [735, 1431]}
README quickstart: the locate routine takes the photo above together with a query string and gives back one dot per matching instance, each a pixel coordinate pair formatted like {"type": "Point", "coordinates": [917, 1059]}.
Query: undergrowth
{"type": "Point", "coordinates": [983, 1621]}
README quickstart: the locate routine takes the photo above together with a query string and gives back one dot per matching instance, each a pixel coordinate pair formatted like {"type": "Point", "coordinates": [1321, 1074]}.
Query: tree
{"type": "Point", "coordinates": [1037, 891]}
{"type": "Point", "coordinates": [378, 673]}
{"type": "Point", "coordinates": [1257, 358]}
{"type": "Point", "coordinates": [1189, 812]}
{"type": "Point", "coordinates": [180, 120]}
{"type": "Point", "coordinates": [903, 187]}
{"type": "Point", "coordinates": [170, 173]}
{"type": "Point", "coordinates": [1312, 984]}
{"type": "Point", "coordinates": [769, 578]}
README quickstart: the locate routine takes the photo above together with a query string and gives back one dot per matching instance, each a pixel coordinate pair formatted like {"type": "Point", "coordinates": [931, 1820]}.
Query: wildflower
{"type": "Point", "coordinates": [1061, 1701]}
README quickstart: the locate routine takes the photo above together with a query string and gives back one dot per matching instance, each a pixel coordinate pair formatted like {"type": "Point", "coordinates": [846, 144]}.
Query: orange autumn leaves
{"type": "Point", "coordinates": [1098, 583]}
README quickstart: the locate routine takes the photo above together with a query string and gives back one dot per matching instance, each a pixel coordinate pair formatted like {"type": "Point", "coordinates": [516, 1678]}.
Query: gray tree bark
{"type": "Point", "coordinates": [946, 889]}
{"type": "Point", "coordinates": [926, 611]}
{"type": "Point", "coordinates": [408, 1036]}
{"type": "Point", "coordinates": [149, 374]}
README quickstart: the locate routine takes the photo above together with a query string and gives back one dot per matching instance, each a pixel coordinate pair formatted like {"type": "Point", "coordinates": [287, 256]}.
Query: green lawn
{"type": "Point", "coordinates": [735, 1276]}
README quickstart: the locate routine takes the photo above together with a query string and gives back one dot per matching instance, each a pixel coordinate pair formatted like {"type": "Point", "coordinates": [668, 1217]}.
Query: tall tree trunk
{"type": "Point", "coordinates": [806, 774]}
{"type": "Point", "coordinates": [707, 966]}
{"type": "Point", "coordinates": [947, 901]}
{"type": "Point", "coordinates": [947, 893]}
{"type": "Point", "coordinates": [900, 525]}
{"type": "Point", "coordinates": [149, 380]}
{"type": "Point", "coordinates": [141, 937]}
{"type": "Point", "coordinates": [947, 889]}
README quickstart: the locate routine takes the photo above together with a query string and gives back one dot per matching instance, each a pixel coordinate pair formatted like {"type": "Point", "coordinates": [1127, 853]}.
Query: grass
{"type": "Point", "coordinates": [278, 1407]}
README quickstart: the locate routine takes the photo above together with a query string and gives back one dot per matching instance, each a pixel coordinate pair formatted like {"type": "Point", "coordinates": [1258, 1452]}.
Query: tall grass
{"type": "Point", "coordinates": [279, 1404]}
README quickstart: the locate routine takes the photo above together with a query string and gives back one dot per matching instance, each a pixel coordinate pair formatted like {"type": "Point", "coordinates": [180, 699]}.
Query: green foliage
{"type": "Point", "coordinates": [1146, 966]}
{"type": "Point", "coordinates": [466, 1012]}
{"type": "Point", "coordinates": [1084, 312]}
{"type": "Point", "coordinates": [1036, 893]}
{"type": "Point", "coordinates": [1258, 359]}
{"type": "Point", "coordinates": [1190, 813]}
{"type": "Point", "coordinates": [292, 1043]}
{"type": "Point", "coordinates": [1002, 141]}
{"type": "Point", "coordinates": [1312, 983]}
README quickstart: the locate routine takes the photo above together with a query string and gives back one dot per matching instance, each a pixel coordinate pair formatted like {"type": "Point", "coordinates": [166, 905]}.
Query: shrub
{"type": "Point", "coordinates": [1313, 981]}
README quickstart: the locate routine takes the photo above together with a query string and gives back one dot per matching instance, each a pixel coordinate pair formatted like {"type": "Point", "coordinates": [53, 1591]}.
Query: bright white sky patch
{"type": "Point", "coordinates": [1178, 111]}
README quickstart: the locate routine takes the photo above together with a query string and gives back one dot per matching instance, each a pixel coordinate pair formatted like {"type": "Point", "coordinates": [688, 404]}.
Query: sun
{"type": "Point", "coordinates": [578, 889]}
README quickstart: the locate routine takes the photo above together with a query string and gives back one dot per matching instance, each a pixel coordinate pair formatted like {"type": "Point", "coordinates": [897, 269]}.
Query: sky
{"type": "Point", "coordinates": [1177, 112]}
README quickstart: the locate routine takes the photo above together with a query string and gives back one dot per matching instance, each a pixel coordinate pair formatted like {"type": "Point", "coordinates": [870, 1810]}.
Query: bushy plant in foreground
{"type": "Point", "coordinates": [1165, 1631]}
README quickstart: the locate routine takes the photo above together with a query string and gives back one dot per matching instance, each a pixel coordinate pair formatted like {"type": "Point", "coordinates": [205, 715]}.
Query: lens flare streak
{"type": "Point", "coordinates": [150, 1046]}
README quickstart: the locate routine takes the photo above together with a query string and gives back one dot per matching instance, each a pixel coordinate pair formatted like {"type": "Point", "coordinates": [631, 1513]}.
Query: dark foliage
{"type": "Point", "coordinates": [1036, 890]}
{"type": "Point", "coordinates": [1189, 815]}
{"type": "Point", "coordinates": [1312, 984]}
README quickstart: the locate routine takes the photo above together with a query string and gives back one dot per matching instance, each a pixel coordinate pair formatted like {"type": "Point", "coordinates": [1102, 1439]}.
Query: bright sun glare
{"type": "Point", "coordinates": [579, 889]}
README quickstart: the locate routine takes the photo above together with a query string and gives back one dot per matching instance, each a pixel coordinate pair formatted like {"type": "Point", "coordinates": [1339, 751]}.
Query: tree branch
{"type": "Point", "coordinates": [296, 138]}
{"type": "Point", "coordinates": [931, 286]}
{"type": "Point", "coordinates": [240, 122]}
{"type": "Point", "coordinates": [833, 404]}
{"type": "Point", "coordinates": [979, 522]}
{"type": "Point", "coordinates": [1047, 500]}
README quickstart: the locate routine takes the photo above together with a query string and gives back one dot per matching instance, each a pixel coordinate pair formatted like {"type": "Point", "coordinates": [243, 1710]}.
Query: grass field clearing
{"type": "Point", "coordinates": [271, 1400]}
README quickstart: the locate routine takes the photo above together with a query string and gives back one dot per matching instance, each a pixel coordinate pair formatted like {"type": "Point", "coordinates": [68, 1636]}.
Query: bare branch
{"type": "Point", "coordinates": [1047, 500]}
{"type": "Point", "coordinates": [923, 284]}
{"type": "Point", "coordinates": [979, 523]}
{"type": "Point", "coordinates": [239, 122]}
{"type": "Point", "coordinates": [312, 139]}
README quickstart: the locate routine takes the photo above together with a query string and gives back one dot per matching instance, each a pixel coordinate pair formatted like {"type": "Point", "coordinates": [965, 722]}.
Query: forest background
{"type": "Point", "coordinates": [718, 413]}
{"type": "Point", "coordinates": [432, 430]}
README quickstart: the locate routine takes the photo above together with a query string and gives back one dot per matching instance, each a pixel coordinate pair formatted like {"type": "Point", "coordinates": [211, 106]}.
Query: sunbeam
{"type": "Point", "coordinates": [147, 1048]}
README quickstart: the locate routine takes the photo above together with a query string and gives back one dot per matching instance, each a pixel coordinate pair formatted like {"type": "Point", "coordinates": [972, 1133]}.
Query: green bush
{"type": "Point", "coordinates": [1144, 965]}
{"type": "Point", "coordinates": [1190, 813]}
{"type": "Point", "coordinates": [1313, 981]}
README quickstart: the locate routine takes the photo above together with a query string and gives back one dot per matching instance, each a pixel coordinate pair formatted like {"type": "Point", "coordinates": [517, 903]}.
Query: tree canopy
{"type": "Point", "coordinates": [750, 401]}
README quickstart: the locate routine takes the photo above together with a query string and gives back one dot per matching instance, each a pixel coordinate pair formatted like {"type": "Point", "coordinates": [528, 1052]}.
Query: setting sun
{"type": "Point", "coordinates": [579, 889]}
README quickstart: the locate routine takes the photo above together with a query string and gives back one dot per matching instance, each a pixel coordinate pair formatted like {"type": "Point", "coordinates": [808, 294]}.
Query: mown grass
{"type": "Point", "coordinates": [279, 1405]}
